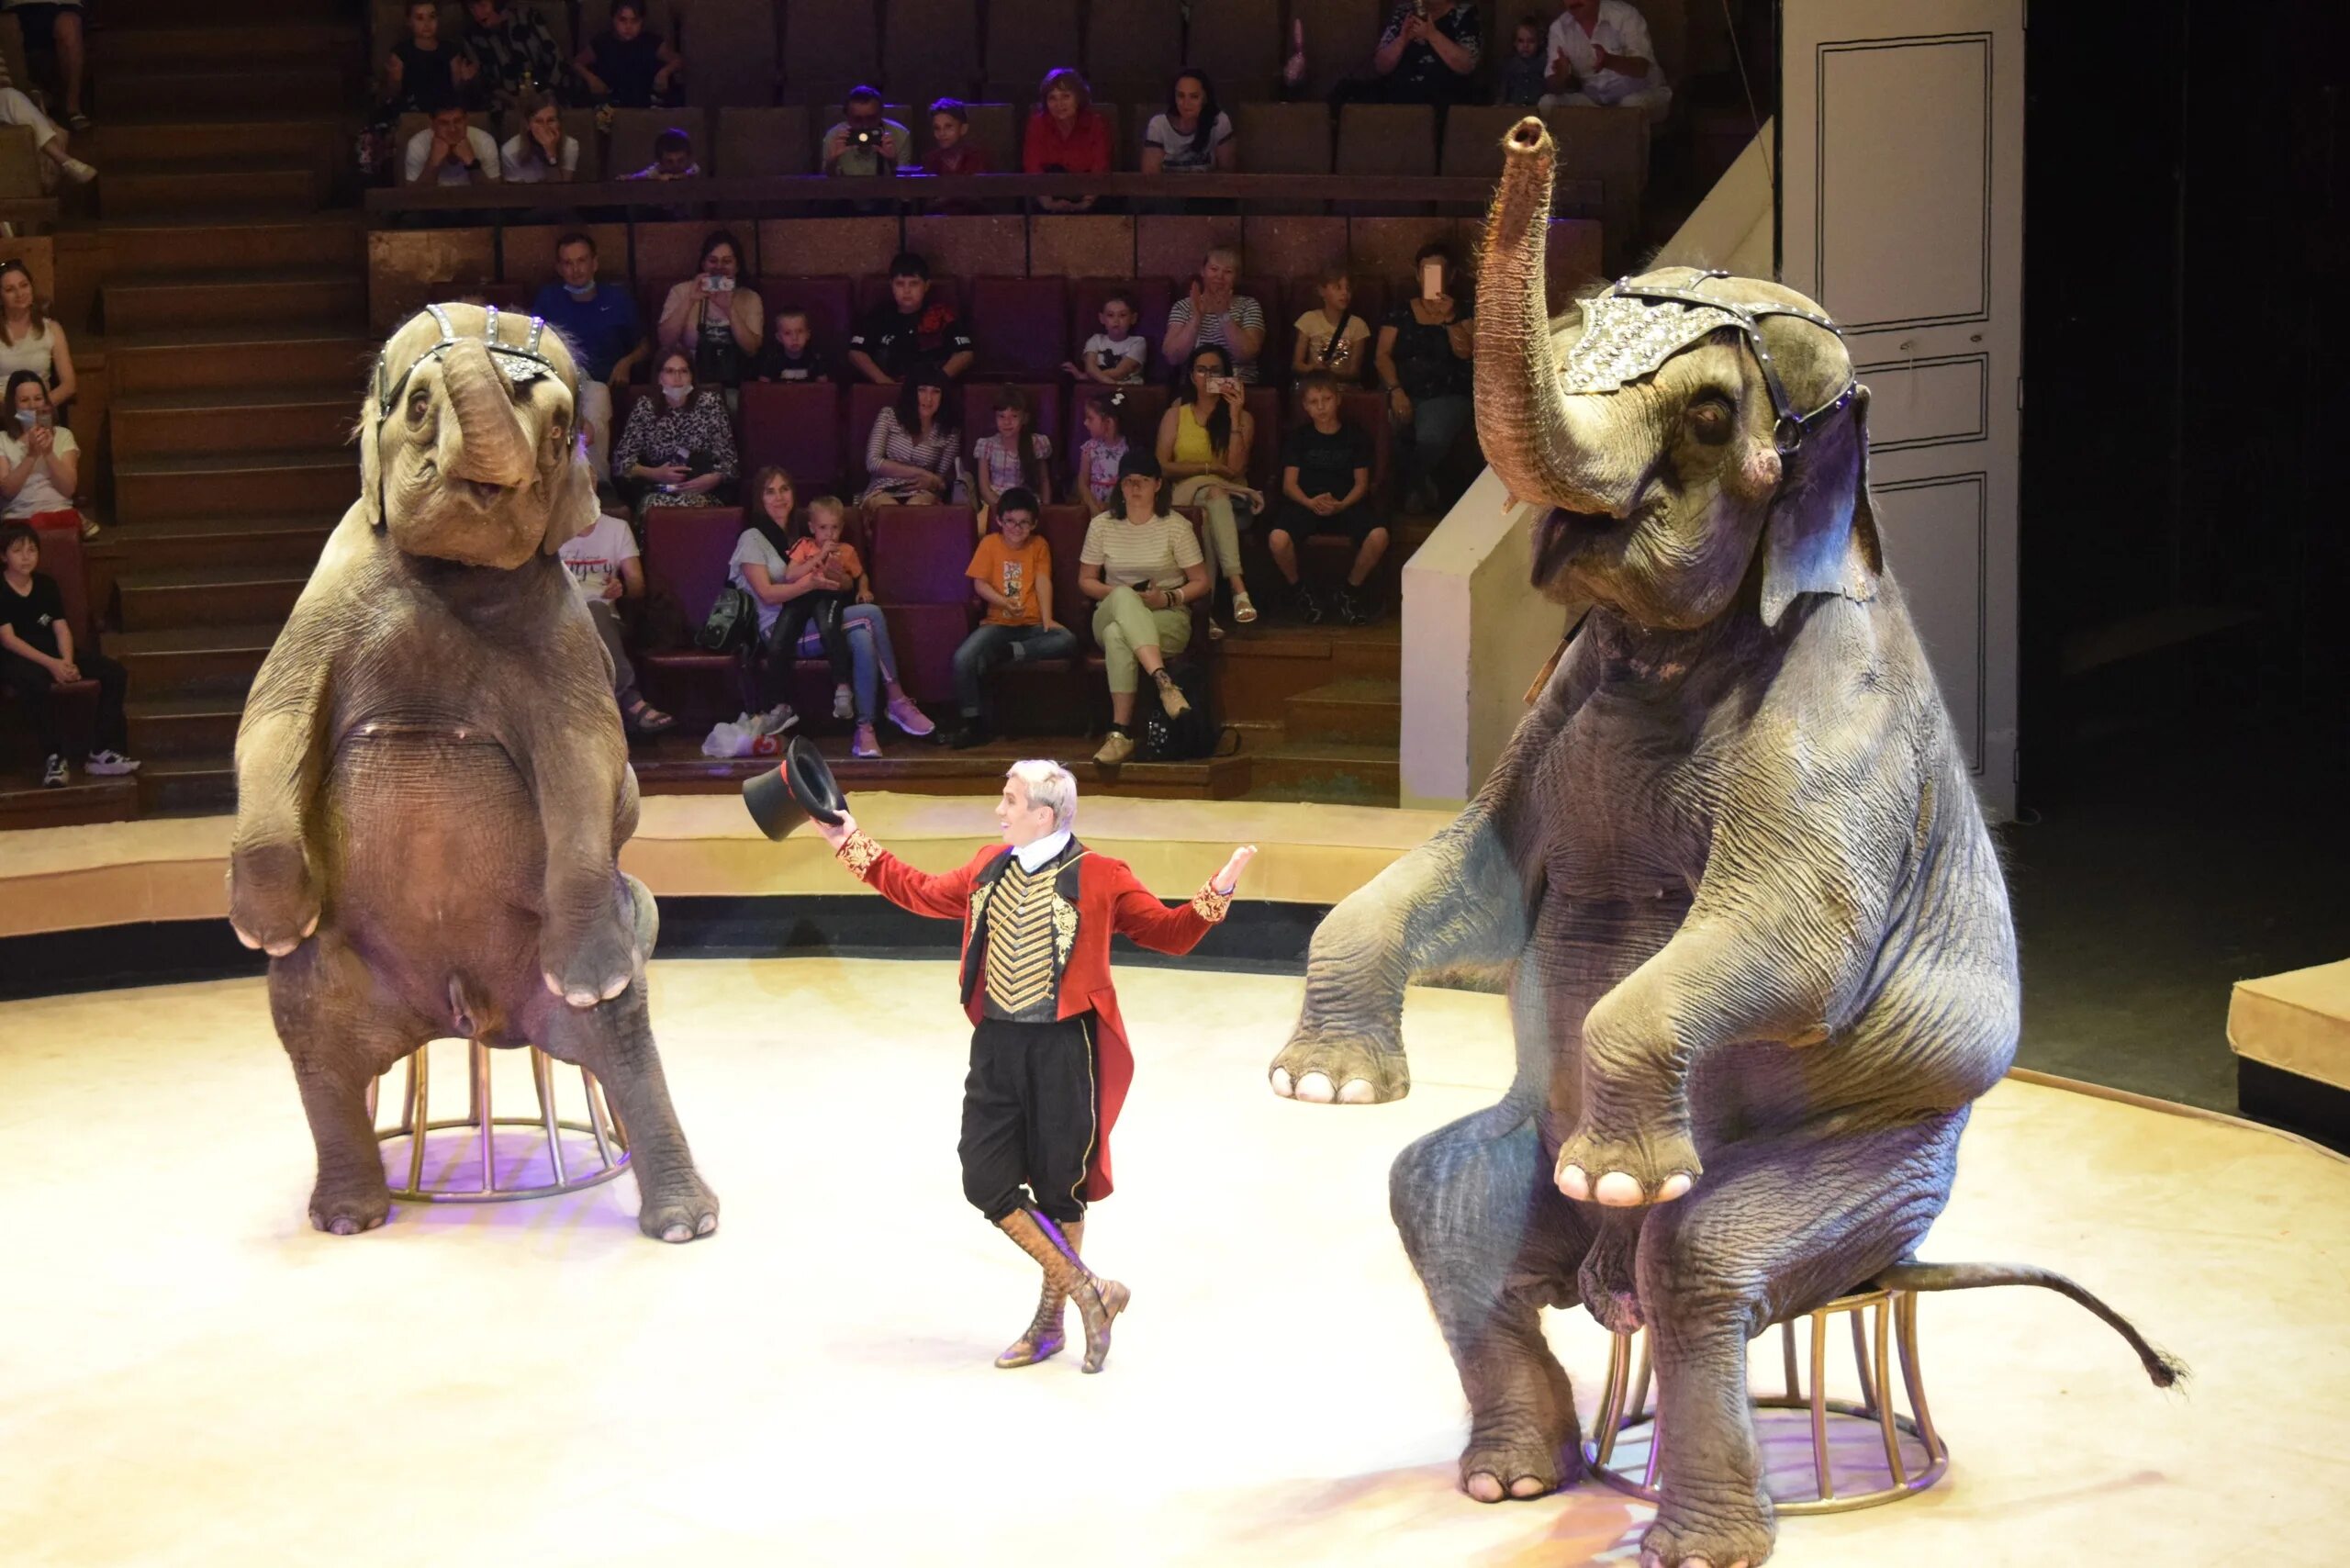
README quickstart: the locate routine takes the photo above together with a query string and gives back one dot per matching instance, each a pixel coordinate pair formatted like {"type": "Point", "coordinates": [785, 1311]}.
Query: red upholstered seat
{"type": "Point", "coordinates": [830, 303]}
{"type": "Point", "coordinates": [873, 292]}
{"type": "Point", "coordinates": [1272, 359]}
{"type": "Point", "coordinates": [1264, 405]}
{"type": "Point", "coordinates": [865, 402]}
{"type": "Point", "coordinates": [1064, 530]}
{"type": "Point", "coordinates": [685, 550]}
{"type": "Point", "coordinates": [919, 554]}
{"type": "Point", "coordinates": [797, 424]}
{"type": "Point", "coordinates": [926, 637]}
{"type": "Point", "coordinates": [1154, 296]}
{"type": "Point", "coordinates": [1019, 325]}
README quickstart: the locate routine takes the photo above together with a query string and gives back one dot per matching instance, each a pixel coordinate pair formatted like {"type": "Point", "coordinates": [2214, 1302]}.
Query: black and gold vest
{"type": "Point", "coordinates": [1023, 926]}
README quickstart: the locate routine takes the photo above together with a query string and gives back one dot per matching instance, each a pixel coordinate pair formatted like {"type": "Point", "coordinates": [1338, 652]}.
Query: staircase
{"type": "Point", "coordinates": [1320, 709]}
{"type": "Point", "coordinates": [234, 309]}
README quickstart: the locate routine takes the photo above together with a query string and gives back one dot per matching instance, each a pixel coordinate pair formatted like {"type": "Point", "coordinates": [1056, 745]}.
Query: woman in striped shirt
{"type": "Point", "coordinates": [1142, 568]}
{"type": "Point", "coordinates": [912, 455]}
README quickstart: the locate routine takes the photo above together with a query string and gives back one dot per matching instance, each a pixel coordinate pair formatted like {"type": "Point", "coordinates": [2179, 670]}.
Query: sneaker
{"type": "Point", "coordinates": [80, 173]}
{"type": "Point", "coordinates": [908, 718]}
{"type": "Point", "coordinates": [1304, 605]}
{"type": "Point", "coordinates": [970, 733]}
{"type": "Point", "coordinates": [1170, 695]}
{"type": "Point", "coordinates": [775, 720]}
{"type": "Point", "coordinates": [78, 120]}
{"type": "Point", "coordinates": [1244, 609]}
{"type": "Point", "coordinates": [865, 743]}
{"type": "Point", "coordinates": [52, 773]}
{"type": "Point", "coordinates": [108, 764]}
{"type": "Point", "coordinates": [89, 527]}
{"type": "Point", "coordinates": [843, 706]}
{"type": "Point", "coordinates": [1354, 609]}
{"type": "Point", "coordinates": [1116, 747]}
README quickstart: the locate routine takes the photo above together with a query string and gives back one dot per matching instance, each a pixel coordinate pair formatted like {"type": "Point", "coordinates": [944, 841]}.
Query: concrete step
{"type": "Point", "coordinates": [202, 726]}
{"type": "Point", "coordinates": [225, 239]}
{"type": "Point", "coordinates": [201, 786]}
{"type": "Point", "coordinates": [243, 541]}
{"type": "Point", "coordinates": [156, 302]}
{"type": "Point", "coordinates": [1359, 710]}
{"type": "Point", "coordinates": [141, 187]}
{"type": "Point", "coordinates": [238, 44]}
{"type": "Point", "coordinates": [291, 353]}
{"type": "Point", "coordinates": [160, 601]}
{"type": "Point", "coordinates": [199, 92]}
{"type": "Point", "coordinates": [1337, 772]}
{"type": "Point", "coordinates": [1267, 664]}
{"type": "Point", "coordinates": [154, 424]}
{"type": "Point", "coordinates": [194, 661]}
{"type": "Point", "coordinates": [319, 481]}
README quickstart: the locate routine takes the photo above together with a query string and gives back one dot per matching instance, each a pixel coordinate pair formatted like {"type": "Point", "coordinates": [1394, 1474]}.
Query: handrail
{"type": "Point", "coordinates": [1575, 197]}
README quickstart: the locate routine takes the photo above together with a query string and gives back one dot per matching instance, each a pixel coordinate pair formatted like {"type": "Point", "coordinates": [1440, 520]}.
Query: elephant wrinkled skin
{"type": "Point", "coordinates": [432, 785]}
{"type": "Point", "coordinates": [1753, 928]}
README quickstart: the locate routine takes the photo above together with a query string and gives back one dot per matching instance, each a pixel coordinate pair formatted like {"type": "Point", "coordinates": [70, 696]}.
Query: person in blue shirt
{"type": "Point", "coordinates": [607, 339]}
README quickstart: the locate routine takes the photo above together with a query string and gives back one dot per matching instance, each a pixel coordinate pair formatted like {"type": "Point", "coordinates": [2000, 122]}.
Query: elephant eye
{"type": "Point", "coordinates": [418, 402]}
{"type": "Point", "coordinates": [1710, 418]}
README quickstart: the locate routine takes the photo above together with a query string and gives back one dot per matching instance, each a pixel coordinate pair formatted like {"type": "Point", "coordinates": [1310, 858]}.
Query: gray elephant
{"type": "Point", "coordinates": [432, 785]}
{"type": "Point", "coordinates": [1730, 868]}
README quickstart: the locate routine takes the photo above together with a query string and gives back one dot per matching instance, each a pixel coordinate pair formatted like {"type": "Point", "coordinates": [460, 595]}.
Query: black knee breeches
{"type": "Point", "coordinates": [1030, 1117]}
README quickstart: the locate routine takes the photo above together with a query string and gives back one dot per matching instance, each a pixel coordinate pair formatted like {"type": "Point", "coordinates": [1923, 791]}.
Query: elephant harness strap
{"type": "Point", "coordinates": [522, 363]}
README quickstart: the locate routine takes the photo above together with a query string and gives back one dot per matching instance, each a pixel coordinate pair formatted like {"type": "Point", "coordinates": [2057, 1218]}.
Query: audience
{"type": "Point", "coordinates": [452, 150]}
{"type": "Point", "coordinates": [866, 144]}
{"type": "Point", "coordinates": [673, 159]}
{"type": "Point", "coordinates": [31, 341]}
{"type": "Point", "coordinates": [42, 461]}
{"type": "Point", "coordinates": [910, 332]}
{"type": "Point", "coordinates": [1114, 355]}
{"type": "Point", "coordinates": [1065, 135]}
{"type": "Point", "coordinates": [913, 455]}
{"type": "Point", "coordinates": [676, 450]}
{"type": "Point", "coordinates": [953, 153]}
{"type": "Point", "coordinates": [1600, 53]}
{"type": "Point", "coordinates": [788, 603]}
{"type": "Point", "coordinates": [1141, 567]}
{"type": "Point", "coordinates": [1204, 451]}
{"type": "Point", "coordinates": [1523, 73]}
{"type": "Point", "coordinates": [1095, 476]}
{"type": "Point", "coordinates": [57, 25]}
{"type": "Point", "coordinates": [605, 569]}
{"type": "Point", "coordinates": [1332, 340]}
{"type": "Point", "coordinates": [627, 66]}
{"type": "Point", "coordinates": [1011, 573]}
{"type": "Point", "coordinates": [538, 153]}
{"type": "Point", "coordinates": [48, 137]}
{"type": "Point", "coordinates": [712, 317]}
{"type": "Point", "coordinates": [1424, 349]}
{"type": "Point", "coordinates": [1015, 457]}
{"type": "Point", "coordinates": [791, 354]}
{"type": "Point", "coordinates": [1325, 483]}
{"type": "Point", "coordinates": [1193, 136]}
{"type": "Point", "coordinates": [425, 74]}
{"type": "Point", "coordinates": [606, 338]}
{"type": "Point", "coordinates": [514, 52]}
{"type": "Point", "coordinates": [1428, 55]}
{"type": "Point", "coordinates": [38, 655]}
{"type": "Point", "coordinates": [1213, 314]}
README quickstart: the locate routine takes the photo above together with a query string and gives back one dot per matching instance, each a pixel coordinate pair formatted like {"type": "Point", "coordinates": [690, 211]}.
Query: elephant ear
{"type": "Point", "coordinates": [573, 508]}
{"type": "Point", "coordinates": [371, 458]}
{"type": "Point", "coordinates": [1822, 535]}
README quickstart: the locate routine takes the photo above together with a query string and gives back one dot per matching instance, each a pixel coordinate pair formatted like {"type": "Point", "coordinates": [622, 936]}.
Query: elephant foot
{"type": "Point", "coordinates": [598, 966]}
{"type": "Point", "coordinates": [349, 1209]}
{"type": "Point", "coordinates": [1514, 1460]}
{"type": "Point", "coordinates": [679, 1207]}
{"type": "Point", "coordinates": [1627, 1173]}
{"type": "Point", "coordinates": [273, 905]}
{"type": "Point", "coordinates": [1680, 1539]}
{"type": "Point", "coordinates": [1327, 1065]}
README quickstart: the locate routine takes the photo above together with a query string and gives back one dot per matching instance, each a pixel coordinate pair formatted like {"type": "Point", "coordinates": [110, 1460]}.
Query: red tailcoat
{"type": "Point", "coordinates": [1109, 900]}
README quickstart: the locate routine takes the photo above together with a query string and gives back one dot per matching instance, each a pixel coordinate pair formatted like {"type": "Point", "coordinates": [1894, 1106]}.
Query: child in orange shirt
{"type": "Point", "coordinates": [1012, 572]}
{"type": "Point", "coordinates": [842, 572]}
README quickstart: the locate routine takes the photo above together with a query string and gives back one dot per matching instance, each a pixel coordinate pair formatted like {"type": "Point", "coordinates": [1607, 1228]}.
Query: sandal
{"type": "Point", "coordinates": [643, 719]}
{"type": "Point", "coordinates": [1244, 609]}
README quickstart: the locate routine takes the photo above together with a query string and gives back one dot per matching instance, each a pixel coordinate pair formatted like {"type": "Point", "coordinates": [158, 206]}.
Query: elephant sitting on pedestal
{"type": "Point", "coordinates": [432, 785]}
{"type": "Point", "coordinates": [1757, 942]}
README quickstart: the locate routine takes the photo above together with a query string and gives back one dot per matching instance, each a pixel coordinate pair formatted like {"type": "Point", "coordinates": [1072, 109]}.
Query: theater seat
{"type": "Point", "coordinates": [1153, 296]}
{"type": "Point", "coordinates": [829, 302]}
{"type": "Point", "coordinates": [685, 551]}
{"type": "Point", "coordinates": [930, 48]}
{"type": "Point", "coordinates": [1264, 406]}
{"type": "Point", "coordinates": [1131, 47]}
{"type": "Point", "coordinates": [873, 292]}
{"type": "Point", "coordinates": [633, 130]}
{"type": "Point", "coordinates": [919, 554]}
{"type": "Point", "coordinates": [763, 142]}
{"type": "Point", "coordinates": [828, 48]}
{"type": "Point", "coordinates": [796, 425]}
{"type": "Point", "coordinates": [1239, 43]}
{"type": "Point", "coordinates": [1386, 138]}
{"type": "Point", "coordinates": [1019, 327]}
{"type": "Point", "coordinates": [865, 402]}
{"type": "Point", "coordinates": [1025, 38]}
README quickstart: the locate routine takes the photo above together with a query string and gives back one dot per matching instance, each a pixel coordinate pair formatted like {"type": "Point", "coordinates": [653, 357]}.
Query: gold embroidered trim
{"type": "Point", "coordinates": [1209, 904]}
{"type": "Point", "coordinates": [858, 853]}
{"type": "Point", "coordinates": [980, 896]}
{"type": "Point", "coordinates": [1064, 926]}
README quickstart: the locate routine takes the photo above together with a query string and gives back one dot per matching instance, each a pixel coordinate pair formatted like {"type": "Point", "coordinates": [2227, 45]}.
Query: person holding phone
{"type": "Point", "coordinates": [712, 317]}
{"type": "Point", "coordinates": [1424, 350]}
{"type": "Point", "coordinates": [39, 463]}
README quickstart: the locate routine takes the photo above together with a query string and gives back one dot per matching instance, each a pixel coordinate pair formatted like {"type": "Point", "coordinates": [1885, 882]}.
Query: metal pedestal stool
{"type": "Point", "coordinates": [1623, 1406]}
{"type": "Point", "coordinates": [481, 1124]}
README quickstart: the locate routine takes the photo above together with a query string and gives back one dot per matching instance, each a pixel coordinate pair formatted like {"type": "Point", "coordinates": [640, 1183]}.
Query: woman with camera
{"type": "Point", "coordinates": [1203, 454]}
{"type": "Point", "coordinates": [676, 450]}
{"type": "Point", "coordinates": [713, 318]}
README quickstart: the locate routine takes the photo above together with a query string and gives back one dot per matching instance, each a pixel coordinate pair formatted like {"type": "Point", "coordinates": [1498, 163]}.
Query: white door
{"type": "Point", "coordinates": [1900, 185]}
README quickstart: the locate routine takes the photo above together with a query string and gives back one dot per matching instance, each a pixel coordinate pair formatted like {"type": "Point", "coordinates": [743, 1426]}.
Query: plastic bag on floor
{"type": "Point", "coordinates": [739, 738]}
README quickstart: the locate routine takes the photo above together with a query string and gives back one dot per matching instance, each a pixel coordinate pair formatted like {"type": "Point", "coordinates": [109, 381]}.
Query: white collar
{"type": "Point", "coordinates": [1034, 854]}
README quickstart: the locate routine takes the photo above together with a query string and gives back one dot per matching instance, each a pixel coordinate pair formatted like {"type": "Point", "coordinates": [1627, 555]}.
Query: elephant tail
{"type": "Point", "coordinates": [2166, 1371]}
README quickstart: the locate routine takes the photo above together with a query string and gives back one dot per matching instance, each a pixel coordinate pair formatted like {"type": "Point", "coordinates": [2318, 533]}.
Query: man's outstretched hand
{"type": "Point", "coordinates": [835, 834]}
{"type": "Point", "coordinates": [1228, 881]}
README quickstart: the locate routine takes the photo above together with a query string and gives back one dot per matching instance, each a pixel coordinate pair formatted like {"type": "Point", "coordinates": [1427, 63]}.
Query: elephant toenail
{"type": "Point", "coordinates": [311, 927]}
{"type": "Point", "coordinates": [1357, 1093]}
{"type": "Point", "coordinates": [1315, 1086]}
{"type": "Point", "coordinates": [1573, 1182]}
{"type": "Point", "coordinates": [1618, 1190]}
{"type": "Point", "coordinates": [614, 986]}
{"type": "Point", "coordinates": [581, 999]}
{"type": "Point", "coordinates": [1282, 1085]}
{"type": "Point", "coordinates": [253, 942]}
{"type": "Point", "coordinates": [554, 986]}
{"type": "Point", "coordinates": [1526, 1486]}
{"type": "Point", "coordinates": [709, 1223]}
{"type": "Point", "coordinates": [677, 1233]}
{"type": "Point", "coordinates": [1674, 1186]}
{"type": "Point", "coordinates": [1484, 1488]}
{"type": "Point", "coordinates": [343, 1224]}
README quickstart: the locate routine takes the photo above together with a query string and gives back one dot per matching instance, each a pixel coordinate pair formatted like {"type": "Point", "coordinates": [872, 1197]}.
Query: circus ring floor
{"type": "Point", "coordinates": [193, 1376]}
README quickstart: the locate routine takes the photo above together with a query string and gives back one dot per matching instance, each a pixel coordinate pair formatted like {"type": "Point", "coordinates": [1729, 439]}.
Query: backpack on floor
{"type": "Point", "coordinates": [1191, 737]}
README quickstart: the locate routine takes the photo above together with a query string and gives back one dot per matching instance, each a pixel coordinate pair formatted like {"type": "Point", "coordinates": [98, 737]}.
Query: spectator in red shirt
{"type": "Point", "coordinates": [1066, 135]}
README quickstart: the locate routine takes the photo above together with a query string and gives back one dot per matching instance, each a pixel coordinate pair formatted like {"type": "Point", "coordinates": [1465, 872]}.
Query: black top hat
{"type": "Point", "coordinates": [801, 786]}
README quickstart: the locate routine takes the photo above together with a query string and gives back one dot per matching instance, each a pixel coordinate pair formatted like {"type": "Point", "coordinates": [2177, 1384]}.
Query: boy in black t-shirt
{"type": "Point", "coordinates": [790, 354]}
{"type": "Point", "coordinates": [37, 655]}
{"type": "Point", "coordinates": [911, 330]}
{"type": "Point", "coordinates": [1326, 485]}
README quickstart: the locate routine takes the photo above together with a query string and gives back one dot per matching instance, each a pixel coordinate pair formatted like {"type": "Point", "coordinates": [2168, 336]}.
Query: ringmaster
{"type": "Point", "coordinates": [1049, 1060]}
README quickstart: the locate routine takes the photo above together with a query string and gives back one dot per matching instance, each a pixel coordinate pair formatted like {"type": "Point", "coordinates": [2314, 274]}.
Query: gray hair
{"type": "Point", "coordinates": [1049, 784]}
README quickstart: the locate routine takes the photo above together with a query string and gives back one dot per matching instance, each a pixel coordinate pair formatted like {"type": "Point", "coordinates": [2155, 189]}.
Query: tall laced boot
{"type": "Point", "coordinates": [1098, 1301]}
{"type": "Point", "coordinates": [1047, 1331]}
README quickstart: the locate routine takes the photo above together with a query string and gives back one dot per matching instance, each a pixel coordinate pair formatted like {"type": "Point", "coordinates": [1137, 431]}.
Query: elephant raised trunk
{"type": "Point", "coordinates": [493, 446]}
{"type": "Point", "coordinates": [1524, 420]}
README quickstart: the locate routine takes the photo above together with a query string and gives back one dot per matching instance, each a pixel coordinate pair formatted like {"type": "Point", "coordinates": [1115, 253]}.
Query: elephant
{"type": "Point", "coordinates": [432, 785]}
{"type": "Point", "coordinates": [1729, 869]}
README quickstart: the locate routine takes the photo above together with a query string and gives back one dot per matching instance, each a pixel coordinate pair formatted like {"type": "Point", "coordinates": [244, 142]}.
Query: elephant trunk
{"type": "Point", "coordinates": [493, 446]}
{"type": "Point", "coordinates": [1523, 420]}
